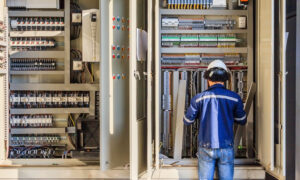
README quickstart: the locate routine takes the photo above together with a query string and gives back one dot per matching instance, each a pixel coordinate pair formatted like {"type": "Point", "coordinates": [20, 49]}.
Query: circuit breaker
{"type": "Point", "coordinates": [90, 35]}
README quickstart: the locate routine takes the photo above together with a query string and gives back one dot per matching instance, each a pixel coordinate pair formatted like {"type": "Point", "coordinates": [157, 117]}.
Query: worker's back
{"type": "Point", "coordinates": [217, 108]}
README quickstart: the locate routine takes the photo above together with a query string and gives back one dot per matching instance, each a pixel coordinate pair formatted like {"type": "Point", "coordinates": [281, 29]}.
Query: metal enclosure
{"type": "Point", "coordinates": [130, 90]}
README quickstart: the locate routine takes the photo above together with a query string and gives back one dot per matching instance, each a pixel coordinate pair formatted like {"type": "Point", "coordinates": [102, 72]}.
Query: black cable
{"type": "Point", "coordinates": [75, 27]}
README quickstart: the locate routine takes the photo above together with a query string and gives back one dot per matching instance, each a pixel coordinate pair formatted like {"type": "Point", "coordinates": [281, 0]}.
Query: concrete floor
{"type": "Point", "coordinates": [93, 172]}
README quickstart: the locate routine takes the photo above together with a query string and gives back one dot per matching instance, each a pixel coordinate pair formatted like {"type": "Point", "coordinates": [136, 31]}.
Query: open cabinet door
{"type": "Point", "coordinates": [137, 90]}
{"type": "Point", "coordinates": [265, 82]}
{"type": "Point", "coordinates": [114, 84]}
{"type": "Point", "coordinates": [271, 79]}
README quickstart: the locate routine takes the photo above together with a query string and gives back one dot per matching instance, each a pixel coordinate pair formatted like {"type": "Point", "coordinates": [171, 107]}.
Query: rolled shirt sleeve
{"type": "Point", "coordinates": [240, 115]}
{"type": "Point", "coordinates": [192, 112]}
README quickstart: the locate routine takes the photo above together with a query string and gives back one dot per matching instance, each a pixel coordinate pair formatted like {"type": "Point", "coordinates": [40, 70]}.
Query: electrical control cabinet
{"type": "Point", "coordinates": [53, 92]}
{"type": "Point", "coordinates": [75, 90]}
{"type": "Point", "coordinates": [191, 38]}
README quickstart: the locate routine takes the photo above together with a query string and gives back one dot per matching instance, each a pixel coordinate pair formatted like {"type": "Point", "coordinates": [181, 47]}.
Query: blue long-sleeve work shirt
{"type": "Point", "coordinates": [217, 109]}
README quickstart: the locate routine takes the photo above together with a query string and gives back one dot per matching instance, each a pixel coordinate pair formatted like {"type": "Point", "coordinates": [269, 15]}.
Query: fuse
{"type": "Point", "coordinates": [71, 99]}
{"type": "Point", "coordinates": [86, 99]}
{"type": "Point", "coordinates": [80, 98]}
{"type": "Point", "coordinates": [64, 99]}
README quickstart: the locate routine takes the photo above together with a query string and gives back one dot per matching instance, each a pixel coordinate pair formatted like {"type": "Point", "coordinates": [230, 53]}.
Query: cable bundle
{"type": "Point", "coordinates": [75, 27]}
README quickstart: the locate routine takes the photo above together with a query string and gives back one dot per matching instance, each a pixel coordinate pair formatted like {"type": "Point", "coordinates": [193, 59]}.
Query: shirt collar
{"type": "Point", "coordinates": [217, 86]}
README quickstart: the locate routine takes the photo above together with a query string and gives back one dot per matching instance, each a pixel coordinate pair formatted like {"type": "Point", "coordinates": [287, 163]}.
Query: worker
{"type": "Point", "coordinates": [216, 109]}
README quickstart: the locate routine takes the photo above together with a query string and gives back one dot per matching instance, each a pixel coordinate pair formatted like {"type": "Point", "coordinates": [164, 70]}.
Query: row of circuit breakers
{"type": "Point", "coordinates": [197, 59]}
{"type": "Point", "coordinates": [204, 4]}
{"type": "Point", "coordinates": [38, 24]}
{"type": "Point", "coordinates": [49, 99]}
{"type": "Point", "coordinates": [201, 23]}
{"type": "Point", "coordinates": [199, 40]}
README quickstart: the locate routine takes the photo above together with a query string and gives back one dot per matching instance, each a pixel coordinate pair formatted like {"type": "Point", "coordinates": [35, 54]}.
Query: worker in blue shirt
{"type": "Point", "coordinates": [216, 109]}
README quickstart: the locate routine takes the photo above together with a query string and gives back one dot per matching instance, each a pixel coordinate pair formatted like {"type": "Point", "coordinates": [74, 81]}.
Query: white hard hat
{"type": "Point", "coordinates": [217, 64]}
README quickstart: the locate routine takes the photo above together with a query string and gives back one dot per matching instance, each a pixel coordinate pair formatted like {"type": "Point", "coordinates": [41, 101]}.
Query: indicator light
{"type": "Point", "coordinates": [113, 56]}
{"type": "Point", "coordinates": [118, 27]}
{"type": "Point", "coordinates": [114, 18]}
{"type": "Point", "coordinates": [118, 56]}
{"type": "Point", "coordinates": [118, 48]}
{"type": "Point", "coordinates": [114, 27]}
{"type": "Point", "coordinates": [118, 76]}
{"type": "Point", "coordinates": [113, 47]}
{"type": "Point", "coordinates": [118, 19]}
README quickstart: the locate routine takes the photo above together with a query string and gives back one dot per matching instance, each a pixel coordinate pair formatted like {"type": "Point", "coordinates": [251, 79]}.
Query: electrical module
{"type": "Point", "coordinates": [90, 35]}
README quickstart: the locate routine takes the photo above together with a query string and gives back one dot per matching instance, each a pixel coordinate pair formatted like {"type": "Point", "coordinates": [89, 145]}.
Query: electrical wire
{"type": "Point", "coordinates": [91, 75]}
{"type": "Point", "coordinates": [72, 120]}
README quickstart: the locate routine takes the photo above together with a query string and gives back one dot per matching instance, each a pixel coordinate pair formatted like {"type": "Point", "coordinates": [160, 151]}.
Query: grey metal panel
{"type": "Point", "coordinates": [179, 31]}
{"type": "Point", "coordinates": [202, 12]}
{"type": "Point", "coordinates": [50, 111]}
{"type": "Point", "coordinates": [55, 87]}
{"type": "Point", "coordinates": [38, 130]}
{"type": "Point", "coordinates": [114, 100]}
{"type": "Point", "coordinates": [36, 33]}
{"type": "Point", "coordinates": [37, 72]}
{"type": "Point", "coordinates": [38, 54]}
{"type": "Point", "coordinates": [204, 50]}
{"type": "Point", "coordinates": [36, 13]}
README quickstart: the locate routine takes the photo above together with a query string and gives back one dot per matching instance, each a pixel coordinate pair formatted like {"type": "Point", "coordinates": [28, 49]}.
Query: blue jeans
{"type": "Point", "coordinates": [207, 160]}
